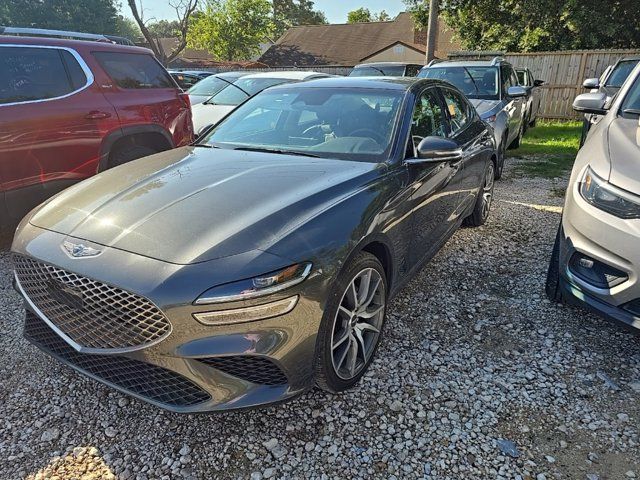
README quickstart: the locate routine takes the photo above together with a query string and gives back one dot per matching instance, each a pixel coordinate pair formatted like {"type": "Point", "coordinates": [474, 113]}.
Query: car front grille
{"type": "Point", "coordinates": [146, 380]}
{"type": "Point", "coordinates": [96, 316]}
{"type": "Point", "coordinates": [253, 369]}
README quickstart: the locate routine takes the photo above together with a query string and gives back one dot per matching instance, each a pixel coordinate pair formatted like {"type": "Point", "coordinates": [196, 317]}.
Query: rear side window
{"type": "Point", "coordinates": [32, 73]}
{"type": "Point", "coordinates": [134, 70]}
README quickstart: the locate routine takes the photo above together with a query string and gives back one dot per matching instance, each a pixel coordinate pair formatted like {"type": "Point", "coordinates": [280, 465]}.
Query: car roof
{"type": "Point", "coordinates": [382, 83]}
{"type": "Point", "coordinates": [388, 64]}
{"type": "Point", "coordinates": [629, 58]}
{"type": "Point", "coordinates": [231, 74]}
{"type": "Point", "coordinates": [74, 44]}
{"type": "Point", "coordinates": [286, 74]}
{"type": "Point", "coordinates": [467, 63]}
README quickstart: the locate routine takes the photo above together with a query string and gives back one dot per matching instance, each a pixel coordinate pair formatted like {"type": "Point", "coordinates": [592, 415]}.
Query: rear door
{"type": "Point", "coordinates": [52, 121]}
{"type": "Point", "coordinates": [143, 93]}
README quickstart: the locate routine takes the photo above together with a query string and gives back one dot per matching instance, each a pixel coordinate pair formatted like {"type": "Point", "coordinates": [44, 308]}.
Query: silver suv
{"type": "Point", "coordinates": [492, 87]}
{"type": "Point", "coordinates": [596, 259]}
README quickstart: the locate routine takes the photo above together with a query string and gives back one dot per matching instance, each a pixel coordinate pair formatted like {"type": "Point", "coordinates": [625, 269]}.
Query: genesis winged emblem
{"type": "Point", "coordinates": [78, 250]}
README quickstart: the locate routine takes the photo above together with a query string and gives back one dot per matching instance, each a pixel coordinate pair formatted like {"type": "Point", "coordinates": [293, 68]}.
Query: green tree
{"type": "Point", "coordinates": [538, 25]}
{"type": "Point", "coordinates": [91, 16]}
{"type": "Point", "coordinates": [125, 27]}
{"type": "Point", "coordinates": [362, 15]}
{"type": "Point", "coordinates": [290, 13]}
{"type": "Point", "coordinates": [164, 28]}
{"type": "Point", "coordinates": [232, 29]}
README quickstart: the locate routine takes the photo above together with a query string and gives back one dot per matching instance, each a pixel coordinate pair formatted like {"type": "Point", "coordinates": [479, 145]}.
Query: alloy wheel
{"type": "Point", "coordinates": [357, 323]}
{"type": "Point", "coordinates": [487, 190]}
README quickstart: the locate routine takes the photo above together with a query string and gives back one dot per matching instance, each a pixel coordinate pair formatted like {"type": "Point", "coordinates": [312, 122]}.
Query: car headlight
{"type": "Point", "coordinates": [601, 194]}
{"type": "Point", "coordinates": [257, 286]}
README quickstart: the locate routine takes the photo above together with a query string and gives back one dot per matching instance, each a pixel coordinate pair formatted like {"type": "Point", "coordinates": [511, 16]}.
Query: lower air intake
{"type": "Point", "coordinates": [253, 369]}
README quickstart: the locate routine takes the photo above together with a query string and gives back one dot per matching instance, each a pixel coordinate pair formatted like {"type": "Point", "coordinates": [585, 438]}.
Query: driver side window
{"type": "Point", "coordinates": [427, 120]}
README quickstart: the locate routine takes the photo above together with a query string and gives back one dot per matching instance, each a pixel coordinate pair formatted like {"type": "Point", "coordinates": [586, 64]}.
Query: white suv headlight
{"type": "Point", "coordinates": [601, 194]}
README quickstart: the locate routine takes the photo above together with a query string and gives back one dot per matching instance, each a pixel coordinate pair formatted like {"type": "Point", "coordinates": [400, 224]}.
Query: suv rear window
{"type": "Point", "coordinates": [134, 70]}
{"type": "Point", "coordinates": [33, 73]}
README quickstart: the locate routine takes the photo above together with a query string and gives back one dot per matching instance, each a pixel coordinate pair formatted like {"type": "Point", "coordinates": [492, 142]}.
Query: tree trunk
{"type": "Point", "coordinates": [432, 30]}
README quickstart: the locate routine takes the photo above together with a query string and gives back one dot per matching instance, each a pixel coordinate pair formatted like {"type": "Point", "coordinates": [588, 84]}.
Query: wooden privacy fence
{"type": "Point", "coordinates": [563, 73]}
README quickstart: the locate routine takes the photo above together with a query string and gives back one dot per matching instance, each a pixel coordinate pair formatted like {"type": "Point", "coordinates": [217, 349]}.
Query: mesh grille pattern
{"type": "Point", "coordinates": [254, 369]}
{"type": "Point", "coordinates": [91, 313]}
{"type": "Point", "coordinates": [146, 380]}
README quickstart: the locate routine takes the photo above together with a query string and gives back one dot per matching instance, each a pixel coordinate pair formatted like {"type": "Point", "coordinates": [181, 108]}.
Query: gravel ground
{"type": "Point", "coordinates": [479, 376]}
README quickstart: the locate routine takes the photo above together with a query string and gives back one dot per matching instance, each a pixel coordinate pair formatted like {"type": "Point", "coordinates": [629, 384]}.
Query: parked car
{"type": "Point", "coordinates": [69, 109]}
{"type": "Point", "coordinates": [492, 86]}
{"type": "Point", "coordinates": [199, 73]}
{"type": "Point", "coordinates": [386, 69]}
{"type": "Point", "coordinates": [208, 87]}
{"type": "Point", "coordinates": [609, 83]}
{"type": "Point", "coordinates": [185, 80]}
{"type": "Point", "coordinates": [534, 95]}
{"type": "Point", "coordinates": [216, 107]}
{"type": "Point", "coordinates": [596, 259]}
{"type": "Point", "coordinates": [242, 269]}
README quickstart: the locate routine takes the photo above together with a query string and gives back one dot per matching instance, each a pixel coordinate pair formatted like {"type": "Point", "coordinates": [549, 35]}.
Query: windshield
{"type": "Point", "coordinates": [631, 103]}
{"type": "Point", "coordinates": [378, 71]}
{"type": "Point", "coordinates": [325, 122]}
{"type": "Point", "coordinates": [620, 73]}
{"type": "Point", "coordinates": [208, 86]}
{"type": "Point", "coordinates": [244, 88]}
{"type": "Point", "coordinates": [474, 82]}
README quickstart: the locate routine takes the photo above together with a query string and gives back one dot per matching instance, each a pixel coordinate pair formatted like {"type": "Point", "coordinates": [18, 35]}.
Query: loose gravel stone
{"type": "Point", "coordinates": [472, 352]}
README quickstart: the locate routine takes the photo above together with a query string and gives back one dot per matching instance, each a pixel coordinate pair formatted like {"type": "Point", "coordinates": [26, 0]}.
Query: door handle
{"type": "Point", "coordinates": [96, 115]}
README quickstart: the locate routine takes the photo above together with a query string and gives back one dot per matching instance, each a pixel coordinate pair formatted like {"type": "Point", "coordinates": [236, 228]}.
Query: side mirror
{"type": "Point", "coordinates": [436, 149]}
{"type": "Point", "coordinates": [591, 103]}
{"type": "Point", "coordinates": [591, 83]}
{"type": "Point", "coordinates": [538, 83]}
{"type": "Point", "coordinates": [517, 91]}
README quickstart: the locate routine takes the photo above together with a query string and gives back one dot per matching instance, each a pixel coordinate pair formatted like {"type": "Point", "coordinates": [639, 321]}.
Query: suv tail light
{"type": "Point", "coordinates": [184, 97]}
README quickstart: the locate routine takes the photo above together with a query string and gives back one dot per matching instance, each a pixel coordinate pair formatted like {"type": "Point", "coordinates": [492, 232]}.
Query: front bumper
{"type": "Point", "coordinates": [196, 367]}
{"type": "Point", "coordinates": [611, 241]}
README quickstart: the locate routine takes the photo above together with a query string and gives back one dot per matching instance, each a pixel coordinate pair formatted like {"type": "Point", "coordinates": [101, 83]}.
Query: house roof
{"type": "Point", "coordinates": [414, 46]}
{"type": "Point", "coordinates": [338, 44]}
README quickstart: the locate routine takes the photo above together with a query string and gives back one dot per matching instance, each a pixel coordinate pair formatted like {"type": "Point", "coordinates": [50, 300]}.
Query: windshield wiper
{"type": "Point", "coordinates": [208, 102]}
{"type": "Point", "coordinates": [632, 111]}
{"type": "Point", "coordinates": [277, 150]}
{"type": "Point", "coordinates": [475, 85]}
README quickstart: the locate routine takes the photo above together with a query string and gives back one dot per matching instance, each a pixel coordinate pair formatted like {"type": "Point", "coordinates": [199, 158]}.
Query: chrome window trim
{"type": "Point", "coordinates": [85, 68]}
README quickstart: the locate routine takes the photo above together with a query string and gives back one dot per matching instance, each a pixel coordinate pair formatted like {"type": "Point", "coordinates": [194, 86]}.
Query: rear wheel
{"type": "Point", "coordinates": [128, 153]}
{"type": "Point", "coordinates": [482, 207]}
{"type": "Point", "coordinates": [352, 324]}
{"type": "Point", "coordinates": [552, 285]}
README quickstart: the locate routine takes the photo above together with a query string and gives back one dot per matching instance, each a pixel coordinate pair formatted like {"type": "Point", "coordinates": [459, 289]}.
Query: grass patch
{"type": "Point", "coordinates": [549, 149]}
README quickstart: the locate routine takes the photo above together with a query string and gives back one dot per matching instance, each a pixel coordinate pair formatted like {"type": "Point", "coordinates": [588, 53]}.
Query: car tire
{"type": "Point", "coordinates": [126, 154]}
{"type": "Point", "coordinates": [501, 157]}
{"type": "Point", "coordinates": [482, 207]}
{"type": "Point", "coordinates": [552, 284]}
{"type": "Point", "coordinates": [518, 140]}
{"type": "Point", "coordinates": [345, 347]}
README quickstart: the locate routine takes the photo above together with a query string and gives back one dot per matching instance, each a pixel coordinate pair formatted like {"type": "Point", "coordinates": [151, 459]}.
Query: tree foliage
{"type": "Point", "coordinates": [164, 28]}
{"type": "Point", "coordinates": [232, 29]}
{"type": "Point", "coordinates": [538, 25]}
{"type": "Point", "coordinates": [290, 13]}
{"type": "Point", "coordinates": [92, 16]}
{"type": "Point", "coordinates": [362, 15]}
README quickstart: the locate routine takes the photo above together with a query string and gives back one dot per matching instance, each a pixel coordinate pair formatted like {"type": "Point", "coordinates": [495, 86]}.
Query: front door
{"type": "Point", "coordinates": [435, 185]}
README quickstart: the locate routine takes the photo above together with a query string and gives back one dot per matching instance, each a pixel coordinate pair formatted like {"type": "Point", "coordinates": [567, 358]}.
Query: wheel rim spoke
{"type": "Point", "coordinates": [357, 323]}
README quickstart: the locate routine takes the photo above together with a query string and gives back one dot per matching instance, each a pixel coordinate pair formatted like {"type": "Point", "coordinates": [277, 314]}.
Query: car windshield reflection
{"type": "Point", "coordinates": [336, 123]}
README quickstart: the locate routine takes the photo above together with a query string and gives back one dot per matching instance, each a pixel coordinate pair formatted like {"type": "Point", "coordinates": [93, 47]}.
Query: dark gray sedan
{"type": "Point", "coordinates": [247, 268]}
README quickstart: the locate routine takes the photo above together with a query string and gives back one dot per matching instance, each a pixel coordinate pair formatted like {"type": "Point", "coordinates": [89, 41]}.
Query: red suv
{"type": "Point", "coordinates": [70, 109]}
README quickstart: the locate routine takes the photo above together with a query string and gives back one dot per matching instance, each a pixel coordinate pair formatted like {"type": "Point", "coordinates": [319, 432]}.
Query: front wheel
{"type": "Point", "coordinates": [501, 157]}
{"type": "Point", "coordinates": [482, 207]}
{"type": "Point", "coordinates": [518, 140]}
{"type": "Point", "coordinates": [352, 324]}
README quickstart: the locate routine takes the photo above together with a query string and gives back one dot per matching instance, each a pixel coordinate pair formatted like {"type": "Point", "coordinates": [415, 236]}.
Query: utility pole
{"type": "Point", "coordinates": [432, 30]}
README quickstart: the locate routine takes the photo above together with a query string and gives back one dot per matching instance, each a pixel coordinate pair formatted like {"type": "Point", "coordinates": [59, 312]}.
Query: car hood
{"type": "Point", "coordinates": [194, 204]}
{"type": "Point", "coordinates": [484, 107]}
{"type": "Point", "coordinates": [206, 114]}
{"type": "Point", "coordinates": [624, 153]}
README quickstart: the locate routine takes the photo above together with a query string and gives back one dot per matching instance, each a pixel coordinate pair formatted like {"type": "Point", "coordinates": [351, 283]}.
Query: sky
{"type": "Point", "coordinates": [335, 10]}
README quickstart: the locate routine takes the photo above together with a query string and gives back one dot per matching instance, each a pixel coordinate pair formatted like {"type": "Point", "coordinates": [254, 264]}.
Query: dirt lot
{"type": "Point", "coordinates": [479, 376]}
